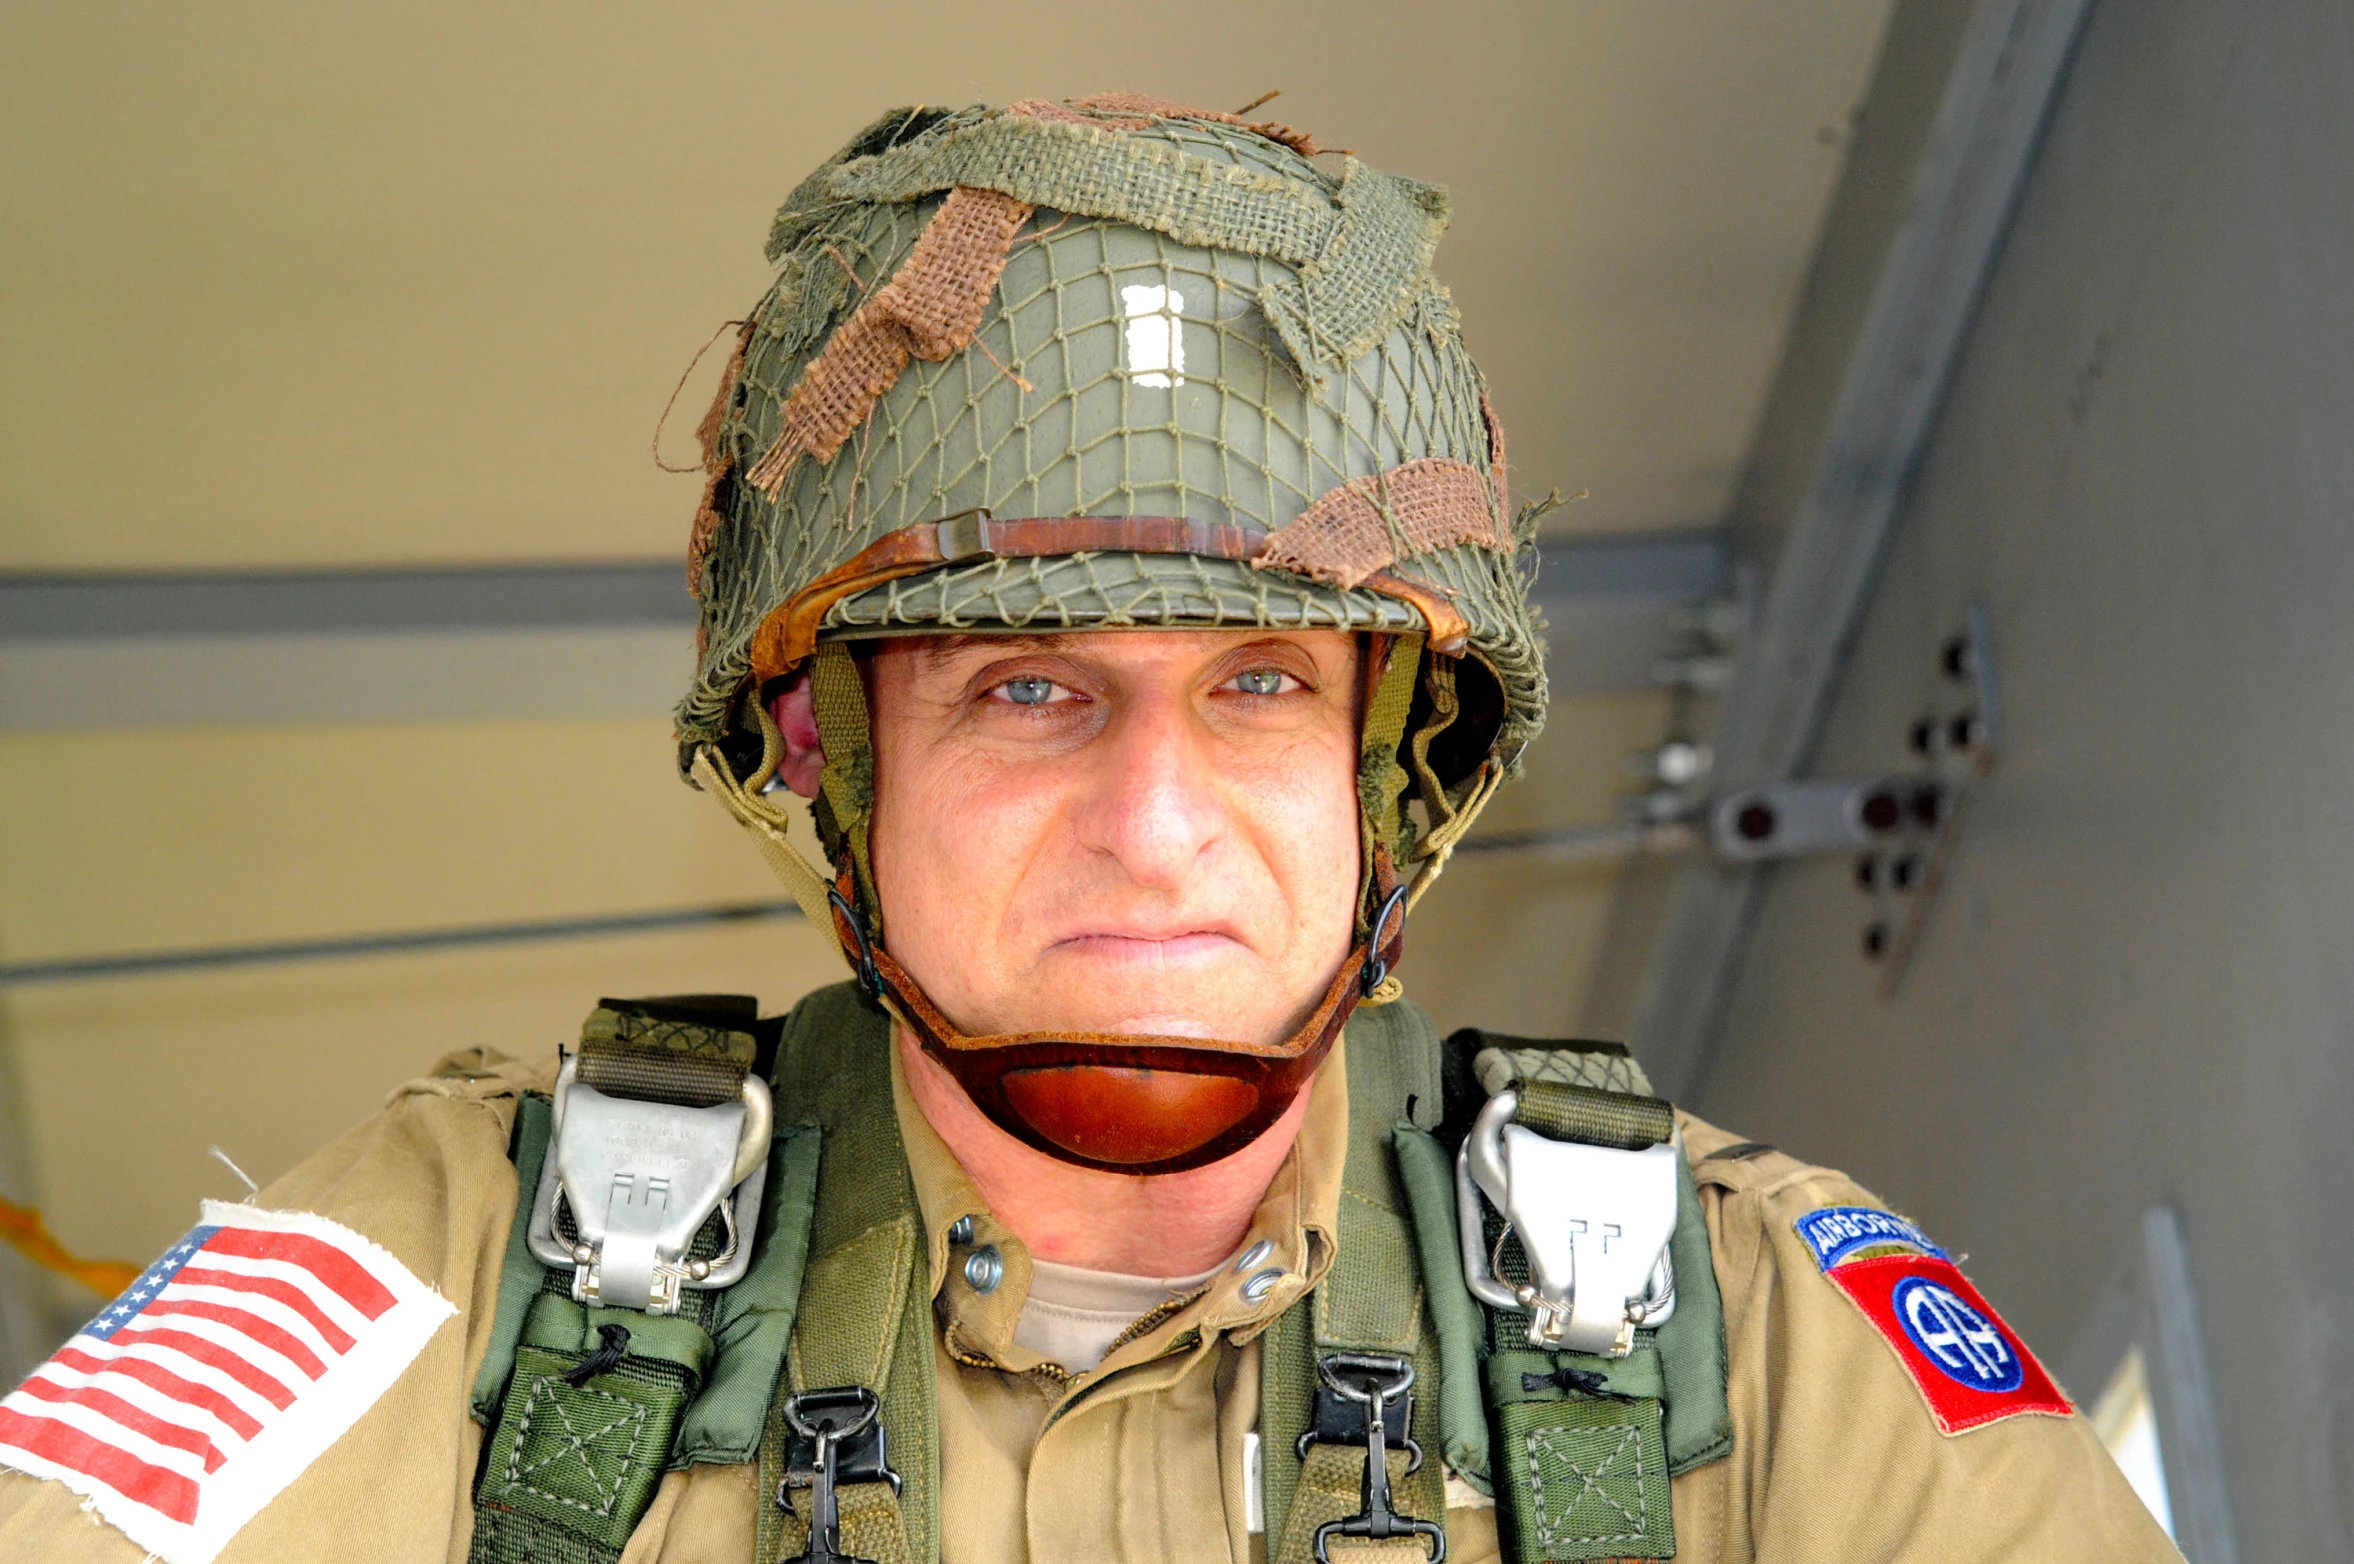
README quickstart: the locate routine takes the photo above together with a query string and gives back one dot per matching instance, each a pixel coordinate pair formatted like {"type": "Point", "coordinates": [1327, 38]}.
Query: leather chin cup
{"type": "Point", "coordinates": [1125, 1103]}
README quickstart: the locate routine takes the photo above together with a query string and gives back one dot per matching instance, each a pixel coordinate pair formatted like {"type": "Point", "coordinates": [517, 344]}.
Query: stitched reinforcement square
{"type": "Point", "coordinates": [587, 1457]}
{"type": "Point", "coordinates": [1592, 1480]}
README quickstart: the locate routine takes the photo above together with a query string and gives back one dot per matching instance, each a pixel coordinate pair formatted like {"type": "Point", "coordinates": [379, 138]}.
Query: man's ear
{"type": "Point", "coordinates": [796, 720]}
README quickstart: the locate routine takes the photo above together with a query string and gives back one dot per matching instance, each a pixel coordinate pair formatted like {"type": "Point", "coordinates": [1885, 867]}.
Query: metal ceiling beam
{"type": "Point", "coordinates": [344, 602]}
{"type": "Point", "coordinates": [589, 640]}
{"type": "Point", "coordinates": [1973, 163]}
{"type": "Point", "coordinates": [1564, 843]}
{"type": "Point", "coordinates": [1670, 568]}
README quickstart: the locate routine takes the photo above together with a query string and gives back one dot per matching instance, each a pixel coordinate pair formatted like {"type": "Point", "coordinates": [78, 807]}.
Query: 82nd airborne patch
{"type": "Point", "coordinates": [1969, 1366]}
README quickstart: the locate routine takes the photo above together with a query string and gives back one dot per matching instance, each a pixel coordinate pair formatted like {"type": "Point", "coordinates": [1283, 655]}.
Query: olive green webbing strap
{"type": "Point", "coordinates": [771, 831]}
{"type": "Point", "coordinates": [631, 1051]}
{"type": "Point", "coordinates": [1370, 1301]}
{"type": "Point", "coordinates": [846, 792]}
{"type": "Point", "coordinates": [574, 1458]}
{"type": "Point", "coordinates": [1583, 1448]}
{"type": "Point", "coordinates": [1381, 780]}
{"type": "Point", "coordinates": [1618, 1120]}
{"type": "Point", "coordinates": [866, 1307]}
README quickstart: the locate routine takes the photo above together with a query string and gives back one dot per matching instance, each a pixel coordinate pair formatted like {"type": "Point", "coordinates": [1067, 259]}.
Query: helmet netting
{"type": "Point", "coordinates": [1116, 371]}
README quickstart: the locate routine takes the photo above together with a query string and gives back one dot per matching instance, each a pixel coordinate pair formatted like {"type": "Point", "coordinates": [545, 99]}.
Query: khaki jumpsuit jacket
{"type": "Point", "coordinates": [1140, 1461]}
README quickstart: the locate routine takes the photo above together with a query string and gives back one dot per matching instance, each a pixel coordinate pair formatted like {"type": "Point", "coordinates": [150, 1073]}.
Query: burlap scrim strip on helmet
{"type": "Point", "coordinates": [930, 310]}
{"type": "Point", "coordinates": [1496, 469]}
{"type": "Point", "coordinates": [717, 464]}
{"type": "Point", "coordinates": [1136, 110]}
{"type": "Point", "coordinates": [1369, 524]}
{"type": "Point", "coordinates": [1360, 284]}
{"type": "Point", "coordinates": [1095, 171]}
{"type": "Point", "coordinates": [1361, 251]}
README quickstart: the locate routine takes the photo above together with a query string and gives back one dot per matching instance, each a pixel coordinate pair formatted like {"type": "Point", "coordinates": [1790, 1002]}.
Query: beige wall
{"type": "Point", "coordinates": [135, 1079]}
{"type": "Point", "coordinates": [286, 285]}
{"type": "Point", "coordinates": [355, 283]}
{"type": "Point", "coordinates": [202, 837]}
{"type": "Point", "coordinates": [2138, 986]}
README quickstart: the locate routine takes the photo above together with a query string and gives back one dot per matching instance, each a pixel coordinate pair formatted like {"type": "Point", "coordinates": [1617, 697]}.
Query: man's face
{"type": "Point", "coordinates": [1119, 831]}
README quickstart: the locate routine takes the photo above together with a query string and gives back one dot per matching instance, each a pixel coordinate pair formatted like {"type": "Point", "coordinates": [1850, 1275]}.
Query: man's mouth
{"type": "Point", "coordinates": [1185, 950]}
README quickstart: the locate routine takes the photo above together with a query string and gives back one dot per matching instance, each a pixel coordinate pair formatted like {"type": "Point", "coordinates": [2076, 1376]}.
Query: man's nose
{"type": "Point", "coordinates": [1155, 807]}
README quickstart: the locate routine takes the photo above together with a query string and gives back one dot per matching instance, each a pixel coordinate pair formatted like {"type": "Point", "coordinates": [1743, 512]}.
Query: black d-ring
{"type": "Point", "coordinates": [1376, 971]}
{"type": "Point", "coordinates": [870, 981]}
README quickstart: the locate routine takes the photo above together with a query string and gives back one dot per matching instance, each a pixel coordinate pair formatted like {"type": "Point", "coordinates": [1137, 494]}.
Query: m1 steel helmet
{"type": "Point", "coordinates": [1104, 364]}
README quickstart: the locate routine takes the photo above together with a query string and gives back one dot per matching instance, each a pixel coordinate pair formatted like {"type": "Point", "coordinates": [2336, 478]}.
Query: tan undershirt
{"type": "Point", "coordinates": [1073, 1315]}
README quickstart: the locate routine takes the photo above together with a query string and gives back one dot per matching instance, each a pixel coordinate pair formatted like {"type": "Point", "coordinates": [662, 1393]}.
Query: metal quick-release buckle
{"type": "Point", "coordinates": [639, 1180]}
{"type": "Point", "coordinates": [1594, 1222]}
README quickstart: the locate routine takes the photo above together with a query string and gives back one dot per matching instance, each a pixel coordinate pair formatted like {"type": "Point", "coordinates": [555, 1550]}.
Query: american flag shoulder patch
{"type": "Point", "coordinates": [192, 1400]}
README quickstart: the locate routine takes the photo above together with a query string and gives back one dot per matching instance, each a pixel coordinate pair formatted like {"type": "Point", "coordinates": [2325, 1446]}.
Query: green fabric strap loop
{"type": "Point", "coordinates": [571, 1469]}
{"type": "Point", "coordinates": [865, 1314]}
{"type": "Point", "coordinates": [1513, 1376]}
{"type": "Point", "coordinates": [1427, 1175]}
{"type": "Point", "coordinates": [660, 1052]}
{"type": "Point", "coordinates": [1618, 1120]}
{"type": "Point", "coordinates": [1376, 1298]}
{"type": "Point", "coordinates": [556, 1323]}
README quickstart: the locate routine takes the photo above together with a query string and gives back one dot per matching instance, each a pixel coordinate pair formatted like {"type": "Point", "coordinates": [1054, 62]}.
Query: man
{"type": "Point", "coordinates": [1106, 532]}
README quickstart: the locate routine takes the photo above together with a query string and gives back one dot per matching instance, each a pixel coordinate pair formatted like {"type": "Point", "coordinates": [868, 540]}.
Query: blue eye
{"type": "Point", "coordinates": [1259, 681]}
{"type": "Point", "coordinates": [1028, 692]}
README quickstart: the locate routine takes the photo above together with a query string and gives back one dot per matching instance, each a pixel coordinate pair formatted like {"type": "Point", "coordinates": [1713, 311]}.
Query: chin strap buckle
{"type": "Point", "coordinates": [862, 957]}
{"type": "Point", "coordinates": [1373, 1385]}
{"type": "Point", "coordinates": [1376, 971]}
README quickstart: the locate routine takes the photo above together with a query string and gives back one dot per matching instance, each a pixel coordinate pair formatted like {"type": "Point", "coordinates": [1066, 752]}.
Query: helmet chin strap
{"type": "Point", "coordinates": [1123, 1102]}
{"type": "Point", "coordinates": [1118, 1102]}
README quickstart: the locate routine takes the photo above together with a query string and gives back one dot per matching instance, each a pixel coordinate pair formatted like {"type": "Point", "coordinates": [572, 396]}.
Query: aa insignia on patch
{"type": "Point", "coordinates": [1968, 1365]}
{"type": "Point", "coordinates": [193, 1399]}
